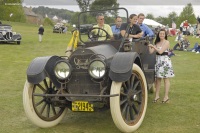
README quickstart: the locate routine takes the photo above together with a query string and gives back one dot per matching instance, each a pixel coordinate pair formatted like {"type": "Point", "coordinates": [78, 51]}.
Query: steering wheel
{"type": "Point", "coordinates": [95, 33]}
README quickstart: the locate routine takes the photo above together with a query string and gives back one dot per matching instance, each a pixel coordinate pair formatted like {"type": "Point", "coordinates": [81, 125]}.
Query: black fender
{"type": "Point", "coordinates": [42, 67]}
{"type": "Point", "coordinates": [121, 65]}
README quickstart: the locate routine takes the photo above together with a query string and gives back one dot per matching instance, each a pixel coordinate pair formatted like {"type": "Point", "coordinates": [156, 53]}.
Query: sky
{"type": "Point", "coordinates": [155, 7]}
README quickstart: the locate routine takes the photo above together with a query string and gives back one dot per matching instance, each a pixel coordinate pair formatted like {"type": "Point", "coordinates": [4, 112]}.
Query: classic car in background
{"type": "Point", "coordinates": [84, 29]}
{"type": "Point", "coordinates": [96, 75]}
{"type": "Point", "coordinates": [58, 28]}
{"type": "Point", "coordinates": [8, 36]}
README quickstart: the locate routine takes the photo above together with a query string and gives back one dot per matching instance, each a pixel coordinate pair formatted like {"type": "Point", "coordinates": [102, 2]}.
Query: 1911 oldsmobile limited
{"type": "Point", "coordinates": [108, 74]}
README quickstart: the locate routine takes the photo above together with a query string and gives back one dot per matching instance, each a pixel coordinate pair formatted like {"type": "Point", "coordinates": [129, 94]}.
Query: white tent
{"type": "Point", "coordinates": [152, 23]}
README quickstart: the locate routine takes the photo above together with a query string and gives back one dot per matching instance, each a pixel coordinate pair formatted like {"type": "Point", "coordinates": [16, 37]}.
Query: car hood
{"type": "Point", "coordinates": [85, 55]}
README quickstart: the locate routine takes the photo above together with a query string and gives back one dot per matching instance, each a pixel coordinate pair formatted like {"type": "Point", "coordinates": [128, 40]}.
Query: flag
{"type": "Point", "coordinates": [173, 25]}
{"type": "Point", "coordinates": [72, 45]}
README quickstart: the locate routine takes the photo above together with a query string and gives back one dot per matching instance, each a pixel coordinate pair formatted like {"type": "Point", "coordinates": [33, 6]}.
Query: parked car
{"type": "Point", "coordinates": [8, 36]}
{"type": "Point", "coordinates": [84, 29]}
{"type": "Point", "coordinates": [97, 75]}
{"type": "Point", "coordinates": [58, 28]}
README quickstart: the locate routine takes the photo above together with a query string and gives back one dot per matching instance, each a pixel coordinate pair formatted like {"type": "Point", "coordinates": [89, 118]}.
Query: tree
{"type": "Point", "coordinates": [62, 13]}
{"type": "Point", "coordinates": [105, 4]}
{"type": "Point", "coordinates": [84, 4]}
{"type": "Point", "coordinates": [47, 21]}
{"type": "Point", "coordinates": [161, 20]}
{"type": "Point", "coordinates": [12, 13]}
{"type": "Point", "coordinates": [150, 16]}
{"type": "Point", "coordinates": [74, 18]}
{"type": "Point", "coordinates": [187, 14]}
{"type": "Point", "coordinates": [172, 17]}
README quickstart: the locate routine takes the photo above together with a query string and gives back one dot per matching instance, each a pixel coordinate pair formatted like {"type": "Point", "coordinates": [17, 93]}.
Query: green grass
{"type": "Point", "coordinates": [181, 115]}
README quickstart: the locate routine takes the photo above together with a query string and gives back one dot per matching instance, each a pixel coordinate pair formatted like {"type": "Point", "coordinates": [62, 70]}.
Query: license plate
{"type": "Point", "coordinates": [82, 106]}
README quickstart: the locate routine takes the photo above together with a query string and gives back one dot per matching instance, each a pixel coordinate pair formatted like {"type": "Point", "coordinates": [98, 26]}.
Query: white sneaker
{"type": "Point", "coordinates": [193, 50]}
{"type": "Point", "coordinates": [197, 52]}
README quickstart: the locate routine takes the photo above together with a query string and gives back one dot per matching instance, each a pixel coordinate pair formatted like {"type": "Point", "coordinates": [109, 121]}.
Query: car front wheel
{"type": "Point", "coordinates": [129, 108]}
{"type": "Point", "coordinates": [42, 111]}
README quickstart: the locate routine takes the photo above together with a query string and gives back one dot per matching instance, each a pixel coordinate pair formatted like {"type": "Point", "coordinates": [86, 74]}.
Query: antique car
{"type": "Point", "coordinates": [95, 75]}
{"type": "Point", "coordinates": [8, 36]}
{"type": "Point", "coordinates": [58, 28]}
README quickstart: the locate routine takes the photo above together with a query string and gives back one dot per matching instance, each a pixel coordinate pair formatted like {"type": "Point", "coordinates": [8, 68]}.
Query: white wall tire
{"type": "Point", "coordinates": [29, 103]}
{"type": "Point", "coordinates": [129, 108]}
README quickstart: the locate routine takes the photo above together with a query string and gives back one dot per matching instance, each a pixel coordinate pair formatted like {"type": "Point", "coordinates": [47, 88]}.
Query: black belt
{"type": "Point", "coordinates": [164, 53]}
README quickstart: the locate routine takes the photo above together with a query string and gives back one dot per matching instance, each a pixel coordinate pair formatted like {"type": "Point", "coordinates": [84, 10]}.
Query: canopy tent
{"type": "Point", "coordinates": [152, 23]}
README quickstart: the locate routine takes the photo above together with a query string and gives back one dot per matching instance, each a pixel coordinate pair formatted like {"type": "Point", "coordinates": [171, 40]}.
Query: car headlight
{"type": "Point", "coordinates": [3, 32]}
{"type": "Point", "coordinates": [62, 70]}
{"type": "Point", "coordinates": [97, 69]}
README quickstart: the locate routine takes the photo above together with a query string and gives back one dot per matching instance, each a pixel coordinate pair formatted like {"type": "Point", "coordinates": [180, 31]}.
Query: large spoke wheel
{"type": "Point", "coordinates": [129, 108]}
{"type": "Point", "coordinates": [42, 111]}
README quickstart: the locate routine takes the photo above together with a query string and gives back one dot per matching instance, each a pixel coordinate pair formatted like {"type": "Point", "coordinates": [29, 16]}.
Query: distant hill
{"type": "Point", "coordinates": [50, 12]}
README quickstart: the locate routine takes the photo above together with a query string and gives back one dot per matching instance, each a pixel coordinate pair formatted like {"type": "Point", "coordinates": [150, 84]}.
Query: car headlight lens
{"type": "Point", "coordinates": [62, 70]}
{"type": "Point", "coordinates": [97, 69]}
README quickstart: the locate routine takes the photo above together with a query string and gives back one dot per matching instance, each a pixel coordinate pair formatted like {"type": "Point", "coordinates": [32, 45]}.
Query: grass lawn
{"type": "Point", "coordinates": [181, 115]}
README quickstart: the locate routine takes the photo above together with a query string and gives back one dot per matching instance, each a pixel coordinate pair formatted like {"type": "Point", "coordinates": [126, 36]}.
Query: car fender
{"type": "Point", "coordinates": [17, 37]}
{"type": "Point", "coordinates": [1, 35]}
{"type": "Point", "coordinates": [42, 67]}
{"type": "Point", "coordinates": [121, 65]}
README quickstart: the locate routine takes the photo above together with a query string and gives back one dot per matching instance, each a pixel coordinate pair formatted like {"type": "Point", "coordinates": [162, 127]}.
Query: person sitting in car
{"type": "Point", "coordinates": [147, 31]}
{"type": "Point", "coordinates": [131, 30]}
{"type": "Point", "coordinates": [116, 28]}
{"type": "Point", "coordinates": [101, 34]}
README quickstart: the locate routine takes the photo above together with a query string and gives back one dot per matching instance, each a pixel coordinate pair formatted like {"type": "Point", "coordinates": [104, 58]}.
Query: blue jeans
{"type": "Point", "coordinates": [195, 47]}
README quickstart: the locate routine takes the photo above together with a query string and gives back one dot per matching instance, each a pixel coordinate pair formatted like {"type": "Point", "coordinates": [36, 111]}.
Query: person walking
{"type": "Point", "coordinates": [163, 66]}
{"type": "Point", "coordinates": [40, 32]}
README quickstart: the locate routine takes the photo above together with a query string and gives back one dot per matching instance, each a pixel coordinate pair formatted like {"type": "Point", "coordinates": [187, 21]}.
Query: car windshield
{"type": "Point", "coordinates": [93, 25]}
{"type": "Point", "coordinates": [5, 28]}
